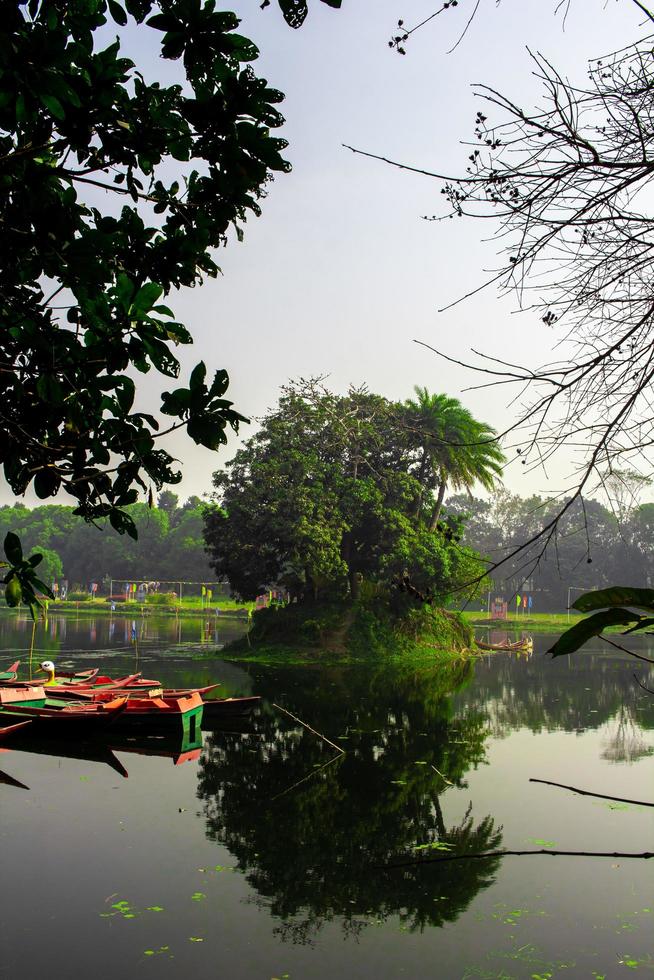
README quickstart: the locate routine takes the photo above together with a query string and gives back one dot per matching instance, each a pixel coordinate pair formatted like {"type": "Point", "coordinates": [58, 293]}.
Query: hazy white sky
{"type": "Point", "coordinates": [340, 274]}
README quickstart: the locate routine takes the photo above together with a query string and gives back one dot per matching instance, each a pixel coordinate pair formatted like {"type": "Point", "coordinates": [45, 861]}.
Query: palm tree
{"type": "Point", "coordinates": [456, 449]}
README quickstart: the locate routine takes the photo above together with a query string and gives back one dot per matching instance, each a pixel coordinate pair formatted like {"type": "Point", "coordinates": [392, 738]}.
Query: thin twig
{"type": "Point", "coordinates": [448, 781]}
{"type": "Point", "coordinates": [309, 728]}
{"type": "Point", "coordinates": [305, 778]}
{"type": "Point", "coordinates": [586, 792]}
{"type": "Point", "coordinates": [624, 650]}
{"type": "Point", "coordinates": [644, 855]}
{"type": "Point", "coordinates": [640, 684]}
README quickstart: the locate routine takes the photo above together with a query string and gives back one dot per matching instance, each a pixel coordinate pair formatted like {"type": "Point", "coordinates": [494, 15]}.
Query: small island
{"type": "Point", "coordinates": [336, 502]}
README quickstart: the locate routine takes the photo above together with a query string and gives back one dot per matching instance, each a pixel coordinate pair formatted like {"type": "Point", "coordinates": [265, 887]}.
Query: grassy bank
{"type": "Point", "coordinates": [534, 623]}
{"type": "Point", "coordinates": [192, 606]}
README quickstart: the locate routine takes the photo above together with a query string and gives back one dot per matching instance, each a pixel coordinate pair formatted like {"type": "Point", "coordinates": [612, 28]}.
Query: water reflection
{"type": "Point", "coordinates": [179, 747]}
{"type": "Point", "coordinates": [67, 633]}
{"type": "Point", "coordinates": [310, 829]}
{"type": "Point", "coordinates": [567, 694]}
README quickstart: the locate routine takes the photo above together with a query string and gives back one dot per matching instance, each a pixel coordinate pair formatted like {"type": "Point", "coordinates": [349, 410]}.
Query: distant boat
{"type": "Point", "coordinates": [525, 645]}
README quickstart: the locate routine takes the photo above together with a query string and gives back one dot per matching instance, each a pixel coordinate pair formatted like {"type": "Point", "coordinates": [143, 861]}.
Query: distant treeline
{"type": "Point", "coordinates": [594, 546]}
{"type": "Point", "coordinates": [170, 543]}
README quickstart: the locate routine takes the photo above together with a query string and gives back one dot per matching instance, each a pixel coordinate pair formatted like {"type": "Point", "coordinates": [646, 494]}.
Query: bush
{"type": "Point", "coordinates": [162, 599]}
{"type": "Point", "coordinates": [78, 596]}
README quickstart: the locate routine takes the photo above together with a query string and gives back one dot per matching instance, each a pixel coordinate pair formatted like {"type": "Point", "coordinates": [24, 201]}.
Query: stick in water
{"type": "Point", "coordinates": [309, 728]}
{"type": "Point", "coordinates": [586, 792]}
{"type": "Point", "coordinates": [416, 863]}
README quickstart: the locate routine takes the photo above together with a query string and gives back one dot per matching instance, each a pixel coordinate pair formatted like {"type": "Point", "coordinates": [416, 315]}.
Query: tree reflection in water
{"type": "Point", "coordinates": [312, 847]}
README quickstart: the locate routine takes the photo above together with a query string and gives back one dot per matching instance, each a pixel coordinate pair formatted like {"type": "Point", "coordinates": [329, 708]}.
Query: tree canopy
{"type": "Point", "coordinates": [326, 496]}
{"type": "Point", "coordinates": [619, 542]}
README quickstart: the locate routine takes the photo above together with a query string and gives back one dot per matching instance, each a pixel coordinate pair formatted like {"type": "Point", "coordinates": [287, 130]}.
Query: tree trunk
{"type": "Point", "coordinates": [421, 476]}
{"type": "Point", "coordinates": [436, 513]}
{"type": "Point", "coordinates": [355, 585]}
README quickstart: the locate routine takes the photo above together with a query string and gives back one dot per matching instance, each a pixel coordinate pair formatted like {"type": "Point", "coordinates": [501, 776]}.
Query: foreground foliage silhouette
{"type": "Point", "coordinates": [115, 191]}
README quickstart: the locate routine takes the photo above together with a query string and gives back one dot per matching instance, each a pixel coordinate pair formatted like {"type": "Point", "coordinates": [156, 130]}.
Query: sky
{"type": "Point", "coordinates": [341, 274]}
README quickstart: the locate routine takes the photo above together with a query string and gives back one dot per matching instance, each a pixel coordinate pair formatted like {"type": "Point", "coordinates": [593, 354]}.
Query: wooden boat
{"type": "Point", "coordinates": [156, 713]}
{"type": "Point", "coordinates": [10, 673]}
{"type": "Point", "coordinates": [10, 730]}
{"type": "Point", "coordinates": [89, 680]}
{"type": "Point", "coordinates": [31, 704]}
{"type": "Point", "coordinates": [520, 646]}
{"type": "Point", "coordinates": [80, 676]}
{"type": "Point", "coordinates": [219, 708]}
{"type": "Point", "coordinates": [89, 692]}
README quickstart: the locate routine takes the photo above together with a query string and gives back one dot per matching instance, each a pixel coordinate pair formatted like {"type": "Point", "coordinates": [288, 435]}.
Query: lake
{"type": "Point", "coordinates": [260, 852]}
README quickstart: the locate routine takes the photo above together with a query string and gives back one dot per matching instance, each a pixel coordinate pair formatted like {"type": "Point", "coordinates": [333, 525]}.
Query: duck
{"type": "Point", "coordinates": [48, 668]}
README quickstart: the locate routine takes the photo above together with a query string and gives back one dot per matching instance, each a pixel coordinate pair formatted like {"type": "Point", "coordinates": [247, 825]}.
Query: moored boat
{"type": "Point", "coordinates": [10, 730]}
{"type": "Point", "coordinates": [525, 645]}
{"type": "Point", "coordinates": [31, 704]}
{"type": "Point", "coordinates": [158, 713]}
{"type": "Point", "coordinates": [218, 708]}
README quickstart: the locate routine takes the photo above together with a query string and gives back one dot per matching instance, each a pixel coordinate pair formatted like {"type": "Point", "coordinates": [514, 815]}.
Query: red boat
{"type": "Point", "coordinates": [7, 731]}
{"type": "Point", "coordinates": [31, 704]}
{"type": "Point", "coordinates": [90, 680]}
{"type": "Point", "coordinates": [218, 708]}
{"type": "Point", "coordinates": [157, 712]}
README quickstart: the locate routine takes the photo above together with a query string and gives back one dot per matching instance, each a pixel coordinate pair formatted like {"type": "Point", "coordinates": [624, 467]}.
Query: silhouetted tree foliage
{"type": "Point", "coordinates": [83, 274]}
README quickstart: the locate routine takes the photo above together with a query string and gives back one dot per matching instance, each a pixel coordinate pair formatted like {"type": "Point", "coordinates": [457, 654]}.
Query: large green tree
{"type": "Point", "coordinates": [322, 498]}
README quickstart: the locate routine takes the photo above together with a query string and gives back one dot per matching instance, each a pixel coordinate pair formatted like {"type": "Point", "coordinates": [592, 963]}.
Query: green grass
{"type": "Point", "coordinates": [191, 606]}
{"type": "Point", "coordinates": [530, 623]}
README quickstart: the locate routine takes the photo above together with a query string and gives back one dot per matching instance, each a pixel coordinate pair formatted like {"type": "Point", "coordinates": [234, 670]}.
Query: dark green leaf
{"type": "Point", "coordinates": [220, 384]}
{"type": "Point", "coordinates": [616, 595]}
{"type": "Point", "coordinates": [46, 483]}
{"type": "Point", "coordinates": [52, 103]}
{"type": "Point", "coordinates": [42, 587]}
{"type": "Point", "coordinates": [578, 634]}
{"type": "Point", "coordinates": [13, 549]}
{"type": "Point", "coordinates": [198, 375]}
{"type": "Point", "coordinates": [117, 13]}
{"type": "Point", "coordinates": [146, 297]}
{"type": "Point", "coordinates": [123, 523]}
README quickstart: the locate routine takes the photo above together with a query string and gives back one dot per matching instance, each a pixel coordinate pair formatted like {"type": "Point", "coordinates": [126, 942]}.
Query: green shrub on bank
{"type": "Point", "coordinates": [401, 627]}
{"type": "Point", "coordinates": [162, 599]}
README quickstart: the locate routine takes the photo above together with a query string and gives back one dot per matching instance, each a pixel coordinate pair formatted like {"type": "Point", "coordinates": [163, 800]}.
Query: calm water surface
{"type": "Point", "coordinates": [258, 852]}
